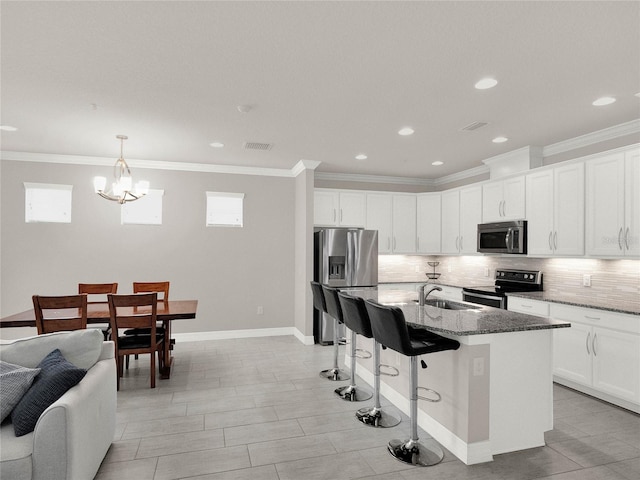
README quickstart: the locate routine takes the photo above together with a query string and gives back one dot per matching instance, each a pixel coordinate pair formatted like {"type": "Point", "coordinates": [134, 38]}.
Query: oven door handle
{"type": "Point", "coordinates": [479, 295]}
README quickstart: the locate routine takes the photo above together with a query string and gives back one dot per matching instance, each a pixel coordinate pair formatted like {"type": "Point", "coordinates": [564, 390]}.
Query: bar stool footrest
{"type": "Point", "coordinates": [395, 373]}
{"type": "Point", "coordinates": [360, 353]}
{"type": "Point", "coordinates": [437, 399]}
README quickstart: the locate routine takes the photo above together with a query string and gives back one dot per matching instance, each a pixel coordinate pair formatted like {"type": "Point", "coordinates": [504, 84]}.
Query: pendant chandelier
{"type": "Point", "coordinates": [121, 190]}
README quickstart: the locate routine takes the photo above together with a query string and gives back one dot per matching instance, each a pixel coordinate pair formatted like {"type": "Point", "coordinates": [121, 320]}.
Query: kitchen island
{"type": "Point", "coordinates": [497, 389]}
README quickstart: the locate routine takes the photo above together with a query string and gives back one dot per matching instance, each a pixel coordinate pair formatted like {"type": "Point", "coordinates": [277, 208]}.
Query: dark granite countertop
{"type": "Point", "coordinates": [480, 320]}
{"type": "Point", "coordinates": [611, 305]}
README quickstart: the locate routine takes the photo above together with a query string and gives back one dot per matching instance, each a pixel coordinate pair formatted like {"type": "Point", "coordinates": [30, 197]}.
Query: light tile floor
{"type": "Point", "coordinates": [256, 409]}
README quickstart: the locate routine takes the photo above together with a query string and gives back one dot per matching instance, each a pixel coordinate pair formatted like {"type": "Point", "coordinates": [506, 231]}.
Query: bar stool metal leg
{"type": "Point", "coordinates": [375, 416]}
{"type": "Point", "coordinates": [412, 451]}
{"type": "Point", "coordinates": [335, 374]}
{"type": "Point", "coordinates": [353, 393]}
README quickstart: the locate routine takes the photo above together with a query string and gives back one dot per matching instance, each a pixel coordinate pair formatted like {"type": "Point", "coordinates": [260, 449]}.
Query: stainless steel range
{"type": "Point", "coordinates": [506, 281]}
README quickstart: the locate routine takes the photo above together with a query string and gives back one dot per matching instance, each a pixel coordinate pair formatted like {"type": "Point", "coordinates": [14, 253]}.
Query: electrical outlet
{"type": "Point", "coordinates": [486, 271]}
{"type": "Point", "coordinates": [449, 267]}
{"type": "Point", "coordinates": [586, 280]}
{"type": "Point", "coordinates": [417, 269]}
{"type": "Point", "coordinates": [478, 367]}
{"type": "Point", "coordinates": [397, 359]}
{"type": "Point", "coordinates": [260, 310]}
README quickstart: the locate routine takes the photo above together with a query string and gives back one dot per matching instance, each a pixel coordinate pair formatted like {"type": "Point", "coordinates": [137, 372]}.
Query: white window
{"type": "Point", "coordinates": [45, 202]}
{"type": "Point", "coordinates": [224, 209]}
{"type": "Point", "coordinates": [144, 211]}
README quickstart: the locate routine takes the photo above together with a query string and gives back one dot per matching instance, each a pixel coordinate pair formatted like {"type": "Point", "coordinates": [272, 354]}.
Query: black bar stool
{"type": "Point", "coordinates": [391, 330]}
{"type": "Point", "coordinates": [335, 373]}
{"type": "Point", "coordinates": [357, 320]}
{"type": "Point", "coordinates": [351, 392]}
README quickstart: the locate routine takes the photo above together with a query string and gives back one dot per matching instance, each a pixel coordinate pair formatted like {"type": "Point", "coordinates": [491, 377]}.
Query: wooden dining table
{"type": "Point", "coordinates": [98, 312]}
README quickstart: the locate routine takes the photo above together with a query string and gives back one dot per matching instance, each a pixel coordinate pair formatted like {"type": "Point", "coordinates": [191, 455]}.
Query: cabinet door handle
{"type": "Point", "coordinates": [340, 215]}
{"type": "Point", "coordinates": [591, 318]}
{"type": "Point", "coordinates": [555, 240]}
{"type": "Point", "coordinates": [334, 215]}
{"type": "Point", "coordinates": [418, 243]}
{"type": "Point", "coordinates": [588, 338]}
{"type": "Point", "coordinates": [394, 243]}
{"type": "Point", "coordinates": [457, 247]}
{"type": "Point", "coordinates": [524, 305]}
{"type": "Point", "coordinates": [550, 237]}
{"type": "Point", "coordinates": [619, 238]}
{"type": "Point", "coordinates": [388, 243]}
{"type": "Point", "coordinates": [626, 238]}
{"type": "Point", "coordinates": [461, 237]}
{"type": "Point", "coordinates": [594, 343]}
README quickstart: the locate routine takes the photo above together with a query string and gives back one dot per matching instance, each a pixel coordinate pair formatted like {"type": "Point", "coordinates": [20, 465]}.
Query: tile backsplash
{"type": "Point", "coordinates": [610, 279]}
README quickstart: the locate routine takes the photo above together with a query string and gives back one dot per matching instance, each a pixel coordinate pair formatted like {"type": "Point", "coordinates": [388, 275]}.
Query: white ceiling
{"type": "Point", "coordinates": [325, 80]}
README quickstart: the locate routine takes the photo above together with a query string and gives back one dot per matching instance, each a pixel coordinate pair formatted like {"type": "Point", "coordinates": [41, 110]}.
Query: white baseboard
{"type": "Point", "coordinates": [249, 333]}
{"type": "Point", "coordinates": [304, 339]}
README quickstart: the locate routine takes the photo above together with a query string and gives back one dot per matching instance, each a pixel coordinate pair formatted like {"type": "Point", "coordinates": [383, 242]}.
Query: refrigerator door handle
{"type": "Point", "coordinates": [351, 255]}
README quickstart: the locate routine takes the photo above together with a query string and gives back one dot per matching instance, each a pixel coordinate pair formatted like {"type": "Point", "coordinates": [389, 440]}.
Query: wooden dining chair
{"type": "Point", "coordinates": [98, 289]}
{"type": "Point", "coordinates": [149, 287]}
{"type": "Point", "coordinates": [60, 313]}
{"type": "Point", "coordinates": [97, 293]}
{"type": "Point", "coordinates": [136, 311]}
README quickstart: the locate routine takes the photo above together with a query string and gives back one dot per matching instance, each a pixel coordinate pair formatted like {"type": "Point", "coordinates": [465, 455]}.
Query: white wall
{"type": "Point", "coordinates": [230, 271]}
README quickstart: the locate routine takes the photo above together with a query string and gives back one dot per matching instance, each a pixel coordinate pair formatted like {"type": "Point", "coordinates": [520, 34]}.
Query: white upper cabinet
{"type": "Point", "coordinates": [380, 218]}
{"type": "Point", "coordinates": [470, 217]}
{"type": "Point", "coordinates": [394, 216]}
{"type": "Point", "coordinates": [555, 211]}
{"type": "Point", "coordinates": [428, 222]}
{"type": "Point", "coordinates": [461, 214]}
{"type": "Point", "coordinates": [335, 208]}
{"type": "Point", "coordinates": [503, 200]}
{"type": "Point", "coordinates": [613, 204]}
{"type": "Point", "coordinates": [404, 223]}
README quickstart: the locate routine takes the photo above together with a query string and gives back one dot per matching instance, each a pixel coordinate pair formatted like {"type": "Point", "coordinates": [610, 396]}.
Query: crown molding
{"type": "Point", "coordinates": [151, 164]}
{"type": "Point", "coordinates": [463, 175]}
{"type": "Point", "coordinates": [354, 177]}
{"type": "Point", "coordinates": [609, 133]}
{"type": "Point", "coordinates": [587, 139]}
{"type": "Point", "coordinates": [303, 165]}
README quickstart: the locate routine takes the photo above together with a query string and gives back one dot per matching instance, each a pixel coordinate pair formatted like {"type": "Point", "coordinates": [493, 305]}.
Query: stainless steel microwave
{"type": "Point", "coordinates": [503, 237]}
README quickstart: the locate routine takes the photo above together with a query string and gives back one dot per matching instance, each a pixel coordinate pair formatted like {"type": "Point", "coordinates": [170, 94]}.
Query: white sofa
{"type": "Point", "coordinates": [72, 435]}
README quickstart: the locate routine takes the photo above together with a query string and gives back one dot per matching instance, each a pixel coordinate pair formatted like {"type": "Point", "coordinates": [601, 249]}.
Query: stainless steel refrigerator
{"type": "Point", "coordinates": [343, 257]}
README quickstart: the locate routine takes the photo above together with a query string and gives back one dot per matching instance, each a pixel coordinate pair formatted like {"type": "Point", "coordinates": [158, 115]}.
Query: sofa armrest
{"type": "Point", "coordinates": [73, 435]}
{"type": "Point", "coordinates": [108, 351]}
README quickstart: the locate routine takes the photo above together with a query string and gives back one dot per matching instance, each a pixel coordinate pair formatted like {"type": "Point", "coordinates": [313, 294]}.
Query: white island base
{"type": "Point", "coordinates": [497, 392]}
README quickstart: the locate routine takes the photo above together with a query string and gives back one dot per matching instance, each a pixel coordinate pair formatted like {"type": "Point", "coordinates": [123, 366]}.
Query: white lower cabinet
{"type": "Point", "coordinates": [599, 354]}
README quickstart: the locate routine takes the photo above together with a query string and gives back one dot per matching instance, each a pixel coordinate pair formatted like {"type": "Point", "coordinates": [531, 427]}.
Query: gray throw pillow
{"type": "Point", "coordinates": [56, 376]}
{"type": "Point", "coordinates": [15, 380]}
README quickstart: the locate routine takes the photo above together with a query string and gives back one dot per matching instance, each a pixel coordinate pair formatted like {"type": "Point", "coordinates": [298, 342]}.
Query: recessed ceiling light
{"type": "Point", "coordinates": [406, 131]}
{"type": "Point", "coordinates": [217, 144]}
{"type": "Point", "coordinates": [361, 156]}
{"type": "Point", "coordinates": [638, 94]}
{"type": "Point", "coordinates": [437, 163]}
{"type": "Point", "coordinates": [486, 83]}
{"type": "Point", "coordinates": [603, 101]}
{"type": "Point", "coordinates": [8, 128]}
{"type": "Point", "coordinates": [499, 139]}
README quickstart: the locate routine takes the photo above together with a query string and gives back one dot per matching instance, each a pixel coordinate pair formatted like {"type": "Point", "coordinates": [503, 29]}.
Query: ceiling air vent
{"type": "Point", "coordinates": [474, 126]}
{"type": "Point", "coordinates": [257, 146]}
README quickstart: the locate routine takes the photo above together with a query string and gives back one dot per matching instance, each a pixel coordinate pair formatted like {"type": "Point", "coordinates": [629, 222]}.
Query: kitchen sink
{"type": "Point", "coordinates": [448, 305]}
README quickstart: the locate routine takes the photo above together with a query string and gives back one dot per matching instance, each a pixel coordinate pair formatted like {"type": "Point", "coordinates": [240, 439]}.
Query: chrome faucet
{"type": "Point", "coordinates": [422, 295]}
